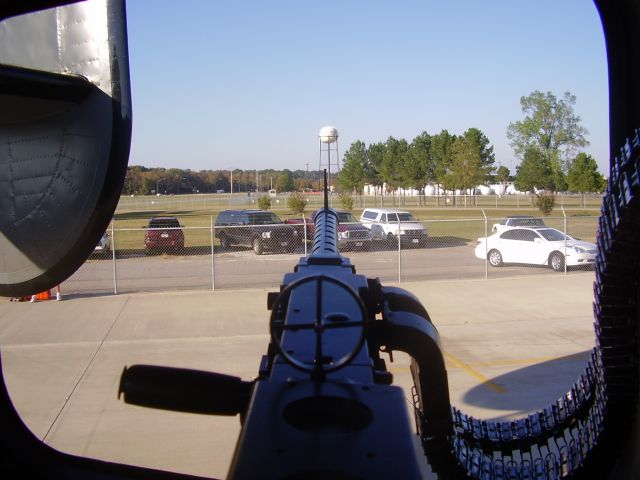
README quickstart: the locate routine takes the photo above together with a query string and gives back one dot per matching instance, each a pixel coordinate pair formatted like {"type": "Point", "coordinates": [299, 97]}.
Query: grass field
{"type": "Point", "coordinates": [459, 223]}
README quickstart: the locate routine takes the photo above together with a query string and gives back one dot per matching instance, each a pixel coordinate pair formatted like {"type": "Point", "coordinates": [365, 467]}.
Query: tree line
{"type": "Point", "coordinates": [174, 181]}
{"type": "Point", "coordinates": [547, 142]}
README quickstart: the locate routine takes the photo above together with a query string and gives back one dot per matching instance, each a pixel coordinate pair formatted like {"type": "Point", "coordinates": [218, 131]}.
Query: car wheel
{"type": "Point", "coordinates": [257, 246]}
{"type": "Point", "coordinates": [392, 240]}
{"type": "Point", "coordinates": [556, 261]}
{"type": "Point", "coordinates": [495, 258]}
{"type": "Point", "coordinates": [224, 242]}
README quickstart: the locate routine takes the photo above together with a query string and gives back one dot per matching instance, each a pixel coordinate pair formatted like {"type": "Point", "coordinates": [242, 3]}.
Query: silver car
{"type": "Point", "coordinates": [104, 245]}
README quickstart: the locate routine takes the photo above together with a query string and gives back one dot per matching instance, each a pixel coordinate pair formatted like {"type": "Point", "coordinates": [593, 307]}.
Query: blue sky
{"type": "Point", "coordinates": [220, 85]}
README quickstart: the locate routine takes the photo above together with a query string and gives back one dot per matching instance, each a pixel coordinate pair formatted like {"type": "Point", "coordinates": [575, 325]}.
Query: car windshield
{"type": "Point", "coordinates": [553, 235]}
{"type": "Point", "coordinates": [264, 218]}
{"type": "Point", "coordinates": [164, 223]}
{"type": "Point", "coordinates": [346, 217]}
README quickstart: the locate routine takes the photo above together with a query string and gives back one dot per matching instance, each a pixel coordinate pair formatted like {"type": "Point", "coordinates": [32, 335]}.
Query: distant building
{"type": "Point", "coordinates": [430, 190]}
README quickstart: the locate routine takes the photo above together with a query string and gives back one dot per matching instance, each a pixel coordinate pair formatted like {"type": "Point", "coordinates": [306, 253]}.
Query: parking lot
{"type": "Point", "coordinates": [443, 258]}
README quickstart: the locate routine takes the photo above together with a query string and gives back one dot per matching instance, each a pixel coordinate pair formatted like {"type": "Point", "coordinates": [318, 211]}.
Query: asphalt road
{"type": "Point", "coordinates": [241, 268]}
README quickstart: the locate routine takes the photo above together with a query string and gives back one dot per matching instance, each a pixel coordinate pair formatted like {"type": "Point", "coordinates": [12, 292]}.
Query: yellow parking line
{"type": "Point", "coordinates": [475, 374]}
{"type": "Point", "coordinates": [520, 361]}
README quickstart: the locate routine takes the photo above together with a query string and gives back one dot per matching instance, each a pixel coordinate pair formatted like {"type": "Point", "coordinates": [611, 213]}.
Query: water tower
{"type": "Point", "coordinates": [329, 142]}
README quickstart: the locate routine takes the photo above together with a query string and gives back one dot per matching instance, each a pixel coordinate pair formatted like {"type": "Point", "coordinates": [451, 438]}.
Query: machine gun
{"type": "Point", "coordinates": [323, 404]}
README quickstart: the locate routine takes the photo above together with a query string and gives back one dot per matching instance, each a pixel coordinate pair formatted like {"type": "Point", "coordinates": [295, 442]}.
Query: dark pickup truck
{"type": "Point", "coordinates": [352, 235]}
{"type": "Point", "coordinates": [257, 229]}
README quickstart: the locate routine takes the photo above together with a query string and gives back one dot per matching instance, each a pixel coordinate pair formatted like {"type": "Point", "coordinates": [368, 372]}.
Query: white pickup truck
{"type": "Point", "coordinates": [389, 223]}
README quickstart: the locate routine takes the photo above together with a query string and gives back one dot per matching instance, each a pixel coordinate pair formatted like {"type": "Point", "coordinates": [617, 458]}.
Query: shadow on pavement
{"type": "Point", "coordinates": [513, 390]}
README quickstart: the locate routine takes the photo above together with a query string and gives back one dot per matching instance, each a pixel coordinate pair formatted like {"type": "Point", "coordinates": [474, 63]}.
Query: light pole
{"type": "Point", "coordinates": [157, 186]}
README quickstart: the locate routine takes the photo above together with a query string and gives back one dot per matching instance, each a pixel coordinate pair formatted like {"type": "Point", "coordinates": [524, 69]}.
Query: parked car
{"type": "Point", "coordinates": [518, 221]}
{"type": "Point", "coordinates": [104, 245]}
{"type": "Point", "coordinates": [164, 234]}
{"type": "Point", "coordinates": [352, 234]}
{"type": "Point", "coordinates": [388, 223]}
{"type": "Point", "coordinates": [258, 229]}
{"type": "Point", "coordinates": [535, 246]}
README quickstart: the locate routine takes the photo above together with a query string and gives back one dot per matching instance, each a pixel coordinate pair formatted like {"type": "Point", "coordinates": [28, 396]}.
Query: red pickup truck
{"type": "Point", "coordinates": [352, 234]}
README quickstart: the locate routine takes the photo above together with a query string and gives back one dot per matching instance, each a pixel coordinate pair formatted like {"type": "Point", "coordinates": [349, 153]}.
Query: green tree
{"type": "Point", "coordinates": [352, 177]}
{"type": "Point", "coordinates": [550, 126]}
{"type": "Point", "coordinates": [441, 157]}
{"type": "Point", "coordinates": [416, 164]}
{"type": "Point", "coordinates": [545, 202]}
{"type": "Point", "coordinates": [346, 201]}
{"type": "Point", "coordinates": [502, 174]}
{"type": "Point", "coordinates": [466, 170]}
{"type": "Point", "coordinates": [302, 184]}
{"type": "Point", "coordinates": [147, 186]}
{"type": "Point", "coordinates": [284, 182]}
{"type": "Point", "coordinates": [134, 179]}
{"type": "Point", "coordinates": [583, 175]}
{"type": "Point", "coordinates": [392, 163]}
{"type": "Point", "coordinates": [479, 143]}
{"type": "Point", "coordinates": [297, 202]}
{"type": "Point", "coordinates": [375, 153]}
{"type": "Point", "coordinates": [533, 172]}
{"type": "Point", "coordinates": [264, 202]}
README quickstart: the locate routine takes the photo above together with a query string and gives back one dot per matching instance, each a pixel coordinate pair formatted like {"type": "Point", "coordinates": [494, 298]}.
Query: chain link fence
{"type": "Point", "coordinates": [280, 202]}
{"type": "Point", "coordinates": [196, 252]}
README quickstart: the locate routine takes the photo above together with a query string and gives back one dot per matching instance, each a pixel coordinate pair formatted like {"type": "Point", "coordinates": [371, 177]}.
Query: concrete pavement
{"type": "Point", "coordinates": [511, 345]}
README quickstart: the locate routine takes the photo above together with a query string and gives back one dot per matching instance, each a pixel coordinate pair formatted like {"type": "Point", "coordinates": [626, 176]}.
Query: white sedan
{"type": "Point", "coordinates": [535, 246]}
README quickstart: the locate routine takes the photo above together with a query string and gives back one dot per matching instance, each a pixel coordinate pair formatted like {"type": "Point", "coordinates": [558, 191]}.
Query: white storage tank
{"type": "Point", "coordinates": [328, 134]}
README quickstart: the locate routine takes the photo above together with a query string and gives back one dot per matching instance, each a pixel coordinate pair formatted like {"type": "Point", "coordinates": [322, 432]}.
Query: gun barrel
{"type": "Point", "coordinates": [325, 239]}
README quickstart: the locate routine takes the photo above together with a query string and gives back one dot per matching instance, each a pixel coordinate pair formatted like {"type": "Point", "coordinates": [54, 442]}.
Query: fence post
{"type": "Point", "coordinates": [486, 246]}
{"type": "Point", "coordinates": [399, 254]}
{"type": "Point", "coordinates": [565, 239]}
{"type": "Point", "coordinates": [213, 267]}
{"type": "Point", "coordinates": [304, 226]}
{"type": "Point", "coordinates": [113, 256]}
